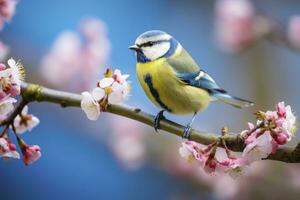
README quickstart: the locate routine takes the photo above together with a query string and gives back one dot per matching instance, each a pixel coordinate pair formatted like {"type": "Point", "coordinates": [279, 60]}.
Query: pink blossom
{"type": "Point", "coordinates": [6, 107]}
{"type": "Point", "coordinates": [108, 91]}
{"type": "Point", "coordinates": [8, 149]}
{"type": "Point", "coordinates": [281, 109]}
{"type": "Point", "coordinates": [190, 151]}
{"type": "Point", "coordinates": [246, 133]}
{"type": "Point", "coordinates": [11, 78]}
{"type": "Point", "coordinates": [294, 31]}
{"type": "Point", "coordinates": [90, 106]}
{"type": "Point", "coordinates": [211, 159]}
{"type": "Point", "coordinates": [261, 147]}
{"type": "Point", "coordinates": [98, 94]}
{"type": "Point", "coordinates": [30, 153]}
{"type": "Point", "coordinates": [91, 27]}
{"type": "Point", "coordinates": [127, 142]}
{"type": "Point", "coordinates": [62, 63]}
{"type": "Point", "coordinates": [106, 82]}
{"type": "Point", "coordinates": [283, 119]}
{"type": "Point", "coordinates": [7, 11]}
{"type": "Point", "coordinates": [290, 122]}
{"type": "Point", "coordinates": [235, 24]}
{"type": "Point", "coordinates": [119, 77]}
{"type": "Point", "coordinates": [76, 58]}
{"type": "Point", "coordinates": [234, 166]}
{"type": "Point", "coordinates": [119, 93]}
{"type": "Point", "coordinates": [210, 165]}
{"type": "Point", "coordinates": [281, 138]}
{"type": "Point", "coordinates": [24, 121]}
{"type": "Point", "coordinates": [114, 87]}
{"type": "Point", "coordinates": [273, 128]}
{"type": "Point", "coordinates": [130, 150]}
{"type": "Point", "coordinates": [203, 156]}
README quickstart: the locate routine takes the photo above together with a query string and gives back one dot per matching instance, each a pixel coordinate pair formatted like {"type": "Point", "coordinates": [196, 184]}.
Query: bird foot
{"type": "Point", "coordinates": [157, 120]}
{"type": "Point", "coordinates": [187, 132]}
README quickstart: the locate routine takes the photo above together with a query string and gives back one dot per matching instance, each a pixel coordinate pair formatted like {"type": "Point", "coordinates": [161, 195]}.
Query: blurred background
{"type": "Point", "coordinates": [67, 45]}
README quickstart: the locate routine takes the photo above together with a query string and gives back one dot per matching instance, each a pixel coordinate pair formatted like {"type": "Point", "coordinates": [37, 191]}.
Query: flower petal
{"type": "Point", "coordinates": [31, 154]}
{"type": "Point", "coordinates": [11, 62]}
{"type": "Point", "coordinates": [98, 93]}
{"type": "Point", "coordinates": [90, 106]}
{"type": "Point", "coordinates": [105, 82]}
{"type": "Point", "coordinates": [260, 148]}
{"type": "Point", "coordinates": [25, 110]}
{"type": "Point", "coordinates": [11, 154]}
{"type": "Point", "coordinates": [115, 97]}
{"type": "Point", "coordinates": [116, 86]}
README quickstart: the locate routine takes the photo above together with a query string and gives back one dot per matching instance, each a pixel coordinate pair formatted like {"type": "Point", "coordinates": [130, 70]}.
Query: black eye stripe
{"type": "Point", "coordinates": [151, 43]}
{"type": "Point", "coordinates": [148, 44]}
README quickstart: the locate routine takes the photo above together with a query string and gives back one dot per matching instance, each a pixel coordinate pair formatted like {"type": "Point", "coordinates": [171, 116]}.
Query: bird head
{"type": "Point", "coordinates": [153, 45]}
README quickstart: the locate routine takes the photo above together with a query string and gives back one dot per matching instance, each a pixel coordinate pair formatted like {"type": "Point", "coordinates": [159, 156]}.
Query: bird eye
{"type": "Point", "coordinates": [150, 44]}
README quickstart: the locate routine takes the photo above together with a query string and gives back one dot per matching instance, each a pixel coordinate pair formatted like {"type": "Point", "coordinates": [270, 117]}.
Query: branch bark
{"type": "Point", "coordinates": [37, 93]}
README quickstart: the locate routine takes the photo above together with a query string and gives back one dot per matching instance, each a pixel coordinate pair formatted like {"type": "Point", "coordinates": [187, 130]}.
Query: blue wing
{"type": "Point", "coordinates": [202, 80]}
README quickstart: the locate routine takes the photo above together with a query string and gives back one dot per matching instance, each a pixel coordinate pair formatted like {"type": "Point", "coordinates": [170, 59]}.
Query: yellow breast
{"type": "Point", "coordinates": [165, 90]}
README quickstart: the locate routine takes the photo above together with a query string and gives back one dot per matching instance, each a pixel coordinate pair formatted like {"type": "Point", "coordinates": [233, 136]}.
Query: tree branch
{"type": "Point", "coordinates": [33, 92]}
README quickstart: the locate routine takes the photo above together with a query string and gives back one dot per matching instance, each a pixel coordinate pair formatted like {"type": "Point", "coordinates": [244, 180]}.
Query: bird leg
{"type": "Point", "coordinates": [188, 128]}
{"type": "Point", "coordinates": [157, 119]}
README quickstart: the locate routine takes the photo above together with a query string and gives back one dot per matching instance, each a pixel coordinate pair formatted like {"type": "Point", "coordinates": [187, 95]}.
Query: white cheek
{"type": "Point", "coordinates": [156, 51]}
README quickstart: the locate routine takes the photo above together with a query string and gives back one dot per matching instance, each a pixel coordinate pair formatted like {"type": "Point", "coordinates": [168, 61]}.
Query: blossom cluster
{"type": "Point", "coordinates": [272, 129]}
{"type": "Point", "coordinates": [76, 57]}
{"type": "Point", "coordinates": [129, 147]}
{"type": "Point", "coordinates": [7, 11]}
{"type": "Point", "coordinates": [212, 159]}
{"type": "Point", "coordinates": [10, 86]}
{"type": "Point", "coordinates": [294, 31]}
{"type": "Point", "coordinates": [11, 77]}
{"type": "Point", "coordinates": [238, 26]}
{"type": "Point", "coordinates": [239, 15]}
{"type": "Point", "coordinates": [112, 89]}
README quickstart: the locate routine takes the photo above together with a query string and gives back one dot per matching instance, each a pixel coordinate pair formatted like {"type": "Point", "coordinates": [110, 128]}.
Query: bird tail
{"type": "Point", "coordinates": [234, 101]}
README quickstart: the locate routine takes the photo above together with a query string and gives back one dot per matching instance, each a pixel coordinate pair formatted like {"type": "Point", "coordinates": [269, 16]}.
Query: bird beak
{"type": "Point", "coordinates": [134, 47]}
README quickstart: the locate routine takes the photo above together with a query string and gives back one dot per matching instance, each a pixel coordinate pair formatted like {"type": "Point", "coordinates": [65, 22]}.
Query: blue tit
{"type": "Point", "coordinates": [172, 79]}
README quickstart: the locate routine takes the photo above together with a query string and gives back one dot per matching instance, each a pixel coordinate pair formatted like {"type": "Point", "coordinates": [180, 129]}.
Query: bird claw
{"type": "Point", "coordinates": [157, 120]}
{"type": "Point", "coordinates": [187, 132]}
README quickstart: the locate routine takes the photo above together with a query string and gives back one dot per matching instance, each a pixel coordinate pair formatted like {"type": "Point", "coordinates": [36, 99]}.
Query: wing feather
{"type": "Point", "coordinates": [202, 80]}
{"type": "Point", "coordinates": [183, 62]}
{"type": "Point", "coordinates": [190, 73]}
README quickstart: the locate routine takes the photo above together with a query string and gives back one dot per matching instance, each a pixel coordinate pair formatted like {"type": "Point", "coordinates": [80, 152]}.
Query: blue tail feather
{"type": "Point", "coordinates": [234, 101]}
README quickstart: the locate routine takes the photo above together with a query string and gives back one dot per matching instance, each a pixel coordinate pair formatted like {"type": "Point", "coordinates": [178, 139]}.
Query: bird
{"type": "Point", "coordinates": [173, 80]}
